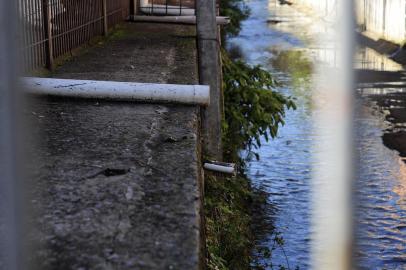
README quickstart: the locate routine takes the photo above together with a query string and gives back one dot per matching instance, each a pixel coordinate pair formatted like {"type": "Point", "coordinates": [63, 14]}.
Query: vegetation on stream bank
{"type": "Point", "coordinates": [252, 110]}
{"type": "Point", "coordinates": [237, 11]}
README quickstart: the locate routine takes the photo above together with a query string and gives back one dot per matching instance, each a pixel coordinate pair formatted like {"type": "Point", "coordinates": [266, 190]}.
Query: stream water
{"type": "Point", "coordinates": [288, 48]}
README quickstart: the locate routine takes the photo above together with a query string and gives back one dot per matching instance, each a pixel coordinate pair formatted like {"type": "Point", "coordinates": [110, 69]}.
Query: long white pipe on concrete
{"type": "Point", "coordinates": [124, 91]}
{"type": "Point", "coordinates": [175, 19]}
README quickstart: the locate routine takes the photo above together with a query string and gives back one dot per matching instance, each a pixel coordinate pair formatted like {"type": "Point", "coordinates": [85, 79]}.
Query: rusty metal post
{"type": "Point", "coordinates": [46, 11]}
{"type": "Point", "coordinates": [210, 74]}
{"type": "Point", "coordinates": [133, 6]}
{"type": "Point", "coordinates": [105, 18]}
{"type": "Point", "coordinates": [136, 6]}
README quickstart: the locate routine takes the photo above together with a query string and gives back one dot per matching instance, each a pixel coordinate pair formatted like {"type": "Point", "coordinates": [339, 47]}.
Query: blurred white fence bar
{"type": "Point", "coordinates": [9, 227]}
{"type": "Point", "coordinates": [125, 91]}
{"type": "Point", "coordinates": [333, 153]}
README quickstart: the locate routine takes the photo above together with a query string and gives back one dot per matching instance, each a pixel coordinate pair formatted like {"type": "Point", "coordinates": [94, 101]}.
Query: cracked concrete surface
{"type": "Point", "coordinates": [117, 185]}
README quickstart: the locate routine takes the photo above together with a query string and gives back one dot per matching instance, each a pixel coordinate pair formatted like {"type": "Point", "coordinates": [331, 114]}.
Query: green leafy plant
{"type": "Point", "coordinates": [252, 108]}
{"type": "Point", "coordinates": [237, 11]}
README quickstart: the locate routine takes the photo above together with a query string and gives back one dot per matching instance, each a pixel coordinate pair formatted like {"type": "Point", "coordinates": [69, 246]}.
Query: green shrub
{"type": "Point", "coordinates": [237, 11]}
{"type": "Point", "coordinates": [252, 109]}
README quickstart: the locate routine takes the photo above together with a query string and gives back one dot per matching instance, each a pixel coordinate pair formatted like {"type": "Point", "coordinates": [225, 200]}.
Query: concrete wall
{"type": "Point", "coordinates": [382, 18]}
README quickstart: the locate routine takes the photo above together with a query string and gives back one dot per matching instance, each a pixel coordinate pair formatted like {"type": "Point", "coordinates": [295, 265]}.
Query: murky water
{"type": "Point", "coordinates": [288, 49]}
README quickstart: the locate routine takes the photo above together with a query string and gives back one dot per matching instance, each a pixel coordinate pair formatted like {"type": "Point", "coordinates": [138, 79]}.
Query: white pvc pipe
{"type": "Point", "coordinates": [175, 19]}
{"type": "Point", "coordinates": [219, 168]}
{"type": "Point", "coordinates": [125, 91]}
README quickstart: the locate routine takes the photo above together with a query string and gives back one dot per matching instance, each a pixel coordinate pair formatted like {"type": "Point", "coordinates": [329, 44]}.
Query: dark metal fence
{"type": "Point", "coordinates": [167, 7]}
{"type": "Point", "coordinates": [52, 28]}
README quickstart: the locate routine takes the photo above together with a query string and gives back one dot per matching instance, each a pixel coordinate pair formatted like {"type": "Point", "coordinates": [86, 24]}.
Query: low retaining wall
{"type": "Point", "coordinates": [382, 19]}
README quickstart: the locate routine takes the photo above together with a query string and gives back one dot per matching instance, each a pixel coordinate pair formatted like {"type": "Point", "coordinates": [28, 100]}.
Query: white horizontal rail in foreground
{"type": "Point", "coordinates": [124, 91]}
{"type": "Point", "coordinates": [175, 19]}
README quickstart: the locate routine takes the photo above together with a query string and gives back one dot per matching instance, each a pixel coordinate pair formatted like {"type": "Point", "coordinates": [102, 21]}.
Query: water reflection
{"type": "Point", "coordinates": [282, 40]}
{"type": "Point", "coordinates": [367, 58]}
{"type": "Point", "coordinates": [284, 171]}
{"type": "Point", "coordinates": [381, 234]}
{"type": "Point", "coordinates": [299, 67]}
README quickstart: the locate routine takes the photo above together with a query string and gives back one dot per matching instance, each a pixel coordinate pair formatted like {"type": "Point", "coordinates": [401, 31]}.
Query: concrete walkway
{"type": "Point", "coordinates": [118, 185]}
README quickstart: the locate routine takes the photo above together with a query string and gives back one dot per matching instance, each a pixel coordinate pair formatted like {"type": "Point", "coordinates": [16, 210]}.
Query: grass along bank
{"type": "Point", "coordinates": [252, 110]}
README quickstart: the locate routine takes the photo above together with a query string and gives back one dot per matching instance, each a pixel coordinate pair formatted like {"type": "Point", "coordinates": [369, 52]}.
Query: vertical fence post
{"type": "Point", "coordinates": [384, 19]}
{"type": "Point", "coordinates": [136, 7]}
{"type": "Point", "coordinates": [46, 11]}
{"type": "Point", "coordinates": [209, 74]}
{"type": "Point", "coordinates": [105, 18]}
{"type": "Point", "coordinates": [365, 16]}
{"type": "Point", "coordinates": [133, 7]}
{"type": "Point", "coordinates": [333, 158]}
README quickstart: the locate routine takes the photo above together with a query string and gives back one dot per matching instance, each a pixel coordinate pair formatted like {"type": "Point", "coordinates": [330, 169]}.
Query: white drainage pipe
{"type": "Point", "coordinates": [124, 91]}
{"type": "Point", "coordinates": [175, 19]}
{"type": "Point", "coordinates": [220, 167]}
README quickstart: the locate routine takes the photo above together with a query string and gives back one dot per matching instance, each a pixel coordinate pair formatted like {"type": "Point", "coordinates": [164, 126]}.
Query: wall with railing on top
{"type": "Point", "coordinates": [384, 19]}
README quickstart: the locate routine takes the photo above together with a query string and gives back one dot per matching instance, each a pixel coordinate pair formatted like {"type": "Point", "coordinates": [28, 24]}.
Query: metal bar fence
{"type": "Point", "coordinates": [51, 28]}
{"type": "Point", "coordinates": [168, 7]}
